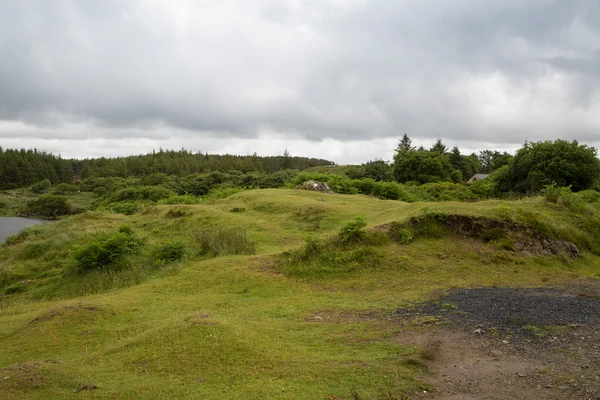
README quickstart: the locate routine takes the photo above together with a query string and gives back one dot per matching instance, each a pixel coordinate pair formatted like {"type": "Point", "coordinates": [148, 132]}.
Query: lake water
{"type": "Point", "coordinates": [11, 225]}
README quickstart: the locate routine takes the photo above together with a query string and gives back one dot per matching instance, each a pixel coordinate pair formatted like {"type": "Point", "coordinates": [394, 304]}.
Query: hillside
{"type": "Point", "coordinates": [266, 294]}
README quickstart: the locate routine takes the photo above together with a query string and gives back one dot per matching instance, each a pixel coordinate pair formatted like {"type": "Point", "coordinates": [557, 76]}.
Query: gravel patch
{"type": "Point", "coordinates": [511, 308]}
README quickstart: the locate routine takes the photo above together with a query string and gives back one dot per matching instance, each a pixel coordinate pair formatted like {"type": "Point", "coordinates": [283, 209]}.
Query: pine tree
{"type": "Point", "coordinates": [405, 144]}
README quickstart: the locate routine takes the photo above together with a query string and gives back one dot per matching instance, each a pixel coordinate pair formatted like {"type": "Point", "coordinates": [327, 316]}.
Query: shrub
{"type": "Point", "coordinates": [446, 191]}
{"type": "Point", "coordinates": [49, 206]}
{"type": "Point", "coordinates": [41, 187]}
{"type": "Point", "coordinates": [564, 197]}
{"type": "Point", "coordinates": [324, 258]}
{"type": "Point", "coordinates": [126, 207]}
{"type": "Point", "coordinates": [353, 232]}
{"type": "Point", "coordinates": [484, 188]}
{"type": "Point", "coordinates": [100, 191]}
{"type": "Point", "coordinates": [170, 252]}
{"type": "Point", "coordinates": [106, 250]}
{"type": "Point", "coordinates": [587, 196]}
{"type": "Point", "coordinates": [400, 234]}
{"type": "Point", "coordinates": [6, 278]}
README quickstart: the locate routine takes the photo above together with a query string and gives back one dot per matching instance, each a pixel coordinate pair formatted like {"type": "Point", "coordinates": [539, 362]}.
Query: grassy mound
{"type": "Point", "coordinates": [288, 296]}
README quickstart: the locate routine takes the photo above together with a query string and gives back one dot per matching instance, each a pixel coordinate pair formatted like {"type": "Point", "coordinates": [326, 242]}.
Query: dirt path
{"type": "Point", "coordinates": [506, 343]}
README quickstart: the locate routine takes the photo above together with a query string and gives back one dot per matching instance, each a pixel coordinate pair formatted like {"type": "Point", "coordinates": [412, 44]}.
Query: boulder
{"type": "Point", "coordinates": [316, 186]}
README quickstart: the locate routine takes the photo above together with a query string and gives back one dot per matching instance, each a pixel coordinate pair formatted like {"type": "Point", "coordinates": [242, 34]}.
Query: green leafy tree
{"type": "Point", "coordinates": [422, 167]}
{"type": "Point", "coordinates": [560, 162]}
{"type": "Point", "coordinates": [378, 170]}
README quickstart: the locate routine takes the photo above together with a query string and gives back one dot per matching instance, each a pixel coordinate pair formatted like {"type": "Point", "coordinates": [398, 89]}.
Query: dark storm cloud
{"type": "Point", "coordinates": [465, 70]}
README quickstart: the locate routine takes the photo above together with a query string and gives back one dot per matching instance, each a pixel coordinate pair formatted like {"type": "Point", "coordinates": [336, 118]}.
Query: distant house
{"type": "Point", "coordinates": [477, 177]}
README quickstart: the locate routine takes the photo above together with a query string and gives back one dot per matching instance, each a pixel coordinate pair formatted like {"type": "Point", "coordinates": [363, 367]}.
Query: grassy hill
{"type": "Point", "coordinates": [267, 294]}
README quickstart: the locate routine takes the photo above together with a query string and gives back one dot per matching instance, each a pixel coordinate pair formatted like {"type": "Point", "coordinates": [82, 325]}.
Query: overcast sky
{"type": "Point", "coordinates": [337, 79]}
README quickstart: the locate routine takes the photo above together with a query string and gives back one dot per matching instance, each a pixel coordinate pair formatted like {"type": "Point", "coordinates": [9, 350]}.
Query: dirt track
{"type": "Point", "coordinates": [507, 343]}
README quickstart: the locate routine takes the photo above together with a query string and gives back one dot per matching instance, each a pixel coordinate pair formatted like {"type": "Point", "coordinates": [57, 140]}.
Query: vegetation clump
{"type": "Point", "coordinates": [107, 250]}
{"type": "Point", "coordinates": [222, 241]}
{"type": "Point", "coordinates": [41, 187]}
{"type": "Point", "coordinates": [351, 250]}
{"type": "Point", "coordinates": [48, 206]}
{"type": "Point", "coordinates": [170, 252]}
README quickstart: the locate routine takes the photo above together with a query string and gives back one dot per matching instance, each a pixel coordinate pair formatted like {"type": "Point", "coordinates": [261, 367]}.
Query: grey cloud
{"type": "Point", "coordinates": [314, 69]}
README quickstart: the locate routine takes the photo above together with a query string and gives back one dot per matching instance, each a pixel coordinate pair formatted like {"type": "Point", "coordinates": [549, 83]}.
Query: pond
{"type": "Point", "coordinates": [12, 225]}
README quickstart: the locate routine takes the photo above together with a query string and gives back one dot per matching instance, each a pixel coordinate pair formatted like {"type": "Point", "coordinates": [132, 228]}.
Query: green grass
{"type": "Point", "coordinates": [231, 322]}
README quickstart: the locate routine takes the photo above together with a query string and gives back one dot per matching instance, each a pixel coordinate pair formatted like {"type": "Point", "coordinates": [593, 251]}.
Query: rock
{"type": "Point", "coordinates": [478, 330]}
{"type": "Point", "coordinates": [496, 353]}
{"type": "Point", "coordinates": [563, 387]}
{"type": "Point", "coordinates": [316, 186]}
{"type": "Point", "coordinates": [562, 247]}
{"type": "Point", "coordinates": [87, 386]}
{"type": "Point", "coordinates": [318, 317]}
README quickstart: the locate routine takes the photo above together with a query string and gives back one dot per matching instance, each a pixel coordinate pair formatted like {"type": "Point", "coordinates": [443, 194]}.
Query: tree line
{"type": "Point", "coordinates": [20, 168]}
{"type": "Point", "coordinates": [533, 166]}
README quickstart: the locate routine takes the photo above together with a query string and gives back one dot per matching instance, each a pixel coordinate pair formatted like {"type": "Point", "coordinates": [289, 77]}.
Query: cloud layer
{"type": "Point", "coordinates": [257, 75]}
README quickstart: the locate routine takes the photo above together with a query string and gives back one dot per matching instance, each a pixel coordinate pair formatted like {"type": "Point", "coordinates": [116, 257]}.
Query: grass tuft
{"type": "Point", "coordinates": [223, 241]}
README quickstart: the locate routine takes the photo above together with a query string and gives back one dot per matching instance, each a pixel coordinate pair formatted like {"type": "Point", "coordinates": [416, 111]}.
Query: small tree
{"type": "Point", "coordinates": [41, 187]}
{"type": "Point", "coordinates": [378, 170]}
{"type": "Point", "coordinates": [287, 160]}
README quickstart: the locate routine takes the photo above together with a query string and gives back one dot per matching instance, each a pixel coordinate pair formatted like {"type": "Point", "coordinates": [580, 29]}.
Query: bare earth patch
{"type": "Point", "coordinates": [499, 343]}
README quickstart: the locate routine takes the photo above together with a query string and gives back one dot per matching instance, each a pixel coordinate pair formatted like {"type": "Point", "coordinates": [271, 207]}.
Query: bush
{"type": "Point", "coordinates": [126, 208]}
{"type": "Point", "coordinates": [353, 232]}
{"type": "Point", "coordinates": [170, 252]}
{"type": "Point", "coordinates": [326, 258]}
{"type": "Point", "coordinates": [484, 188]}
{"type": "Point", "coordinates": [400, 234]}
{"type": "Point", "coordinates": [564, 197]}
{"type": "Point", "coordinates": [106, 250]}
{"type": "Point", "coordinates": [100, 191]}
{"type": "Point", "coordinates": [41, 187]}
{"type": "Point", "coordinates": [589, 196]}
{"type": "Point", "coordinates": [50, 206]}
{"type": "Point", "coordinates": [445, 191]}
